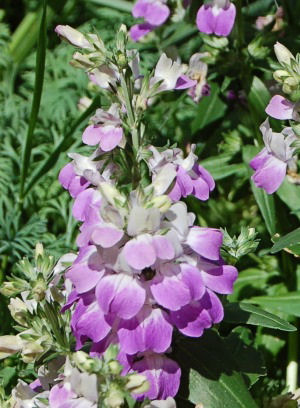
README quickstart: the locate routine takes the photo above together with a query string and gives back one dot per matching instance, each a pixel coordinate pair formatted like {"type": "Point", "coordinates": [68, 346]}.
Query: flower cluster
{"type": "Point", "coordinates": [216, 17]}
{"type": "Point", "coordinates": [279, 154]}
{"type": "Point", "coordinates": [144, 271]}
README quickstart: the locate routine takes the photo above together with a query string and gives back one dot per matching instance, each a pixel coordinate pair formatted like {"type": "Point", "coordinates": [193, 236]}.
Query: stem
{"type": "Point", "coordinates": [38, 87]}
{"type": "Point", "coordinates": [131, 117]}
{"type": "Point", "coordinates": [239, 25]}
{"type": "Point", "coordinates": [121, 5]}
{"type": "Point", "coordinates": [292, 366]}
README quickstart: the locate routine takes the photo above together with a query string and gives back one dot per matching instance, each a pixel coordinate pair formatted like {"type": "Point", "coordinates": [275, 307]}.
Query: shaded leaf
{"type": "Point", "coordinates": [288, 303]}
{"type": "Point", "coordinates": [250, 314]}
{"type": "Point", "coordinates": [210, 374]}
{"type": "Point", "coordinates": [210, 109]}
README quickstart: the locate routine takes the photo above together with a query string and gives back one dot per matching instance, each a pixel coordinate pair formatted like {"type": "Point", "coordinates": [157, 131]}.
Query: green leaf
{"type": "Point", "coordinates": [250, 314]}
{"type": "Point", "coordinates": [210, 374]}
{"type": "Point", "coordinates": [288, 303]}
{"type": "Point", "coordinates": [265, 201]}
{"type": "Point", "coordinates": [287, 241]}
{"type": "Point", "coordinates": [248, 359]}
{"type": "Point", "coordinates": [62, 146]}
{"type": "Point", "coordinates": [7, 374]}
{"type": "Point", "coordinates": [219, 168]}
{"type": "Point", "coordinates": [259, 97]}
{"type": "Point", "coordinates": [210, 109]}
{"type": "Point", "coordinates": [38, 87]}
{"type": "Point", "coordinates": [249, 279]}
{"type": "Point", "coordinates": [289, 194]}
{"type": "Point", "coordinates": [122, 5]}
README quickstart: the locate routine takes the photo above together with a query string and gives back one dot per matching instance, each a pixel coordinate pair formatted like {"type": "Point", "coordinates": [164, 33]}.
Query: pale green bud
{"type": "Point", "coordinates": [112, 195]}
{"type": "Point", "coordinates": [115, 398]}
{"type": "Point", "coordinates": [10, 345]}
{"type": "Point", "coordinates": [11, 288]}
{"type": "Point", "coordinates": [39, 250]}
{"type": "Point", "coordinates": [30, 352]}
{"type": "Point", "coordinates": [115, 367]}
{"type": "Point", "coordinates": [86, 363]}
{"type": "Point", "coordinates": [283, 55]}
{"type": "Point", "coordinates": [18, 310]}
{"type": "Point", "coordinates": [39, 290]}
{"type": "Point", "coordinates": [137, 383]}
{"type": "Point", "coordinates": [163, 203]}
{"type": "Point", "coordinates": [280, 75]}
{"type": "Point", "coordinates": [291, 82]}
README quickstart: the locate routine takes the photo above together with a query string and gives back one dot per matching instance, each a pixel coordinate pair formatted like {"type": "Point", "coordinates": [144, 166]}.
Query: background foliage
{"type": "Point", "coordinates": [255, 344]}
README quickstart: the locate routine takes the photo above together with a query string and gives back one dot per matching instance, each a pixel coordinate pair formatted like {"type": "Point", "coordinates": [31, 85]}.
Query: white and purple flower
{"type": "Point", "coordinates": [272, 162]}
{"type": "Point", "coordinates": [216, 17]}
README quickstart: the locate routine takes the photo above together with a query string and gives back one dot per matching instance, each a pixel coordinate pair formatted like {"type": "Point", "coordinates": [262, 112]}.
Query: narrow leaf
{"type": "Point", "coordinates": [287, 241]}
{"type": "Point", "coordinates": [250, 314]}
{"type": "Point", "coordinates": [38, 87]}
{"type": "Point", "coordinates": [116, 4]}
{"type": "Point", "coordinates": [288, 303]}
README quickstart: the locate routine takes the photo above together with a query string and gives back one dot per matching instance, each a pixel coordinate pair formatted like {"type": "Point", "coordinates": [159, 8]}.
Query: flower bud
{"type": "Point", "coordinates": [163, 203]}
{"type": "Point", "coordinates": [39, 250]}
{"type": "Point", "coordinates": [280, 75]}
{"type": "Point", "coordinates": [137, 383]}
{"type": "Point", "coordinates": [283, 55]}
{"type": "Point", "coordinates": [111, 194]}
{"type": "Point", "coordinates": [81, 61]}
{"type": "Point", "coordinates": [9, 345]}
{"type": "Point", "coordinates": [18, 310]}
{"type": "Point", "coordinates": [114, 367]}
{"type": "Point", "coordinates": [291, 82]}
{"type": "Point", "coordinates": [30, 352]}
{"type": "Point", "coordinates": [86, 363]}
{"type": "Point", "coordinates": [39, 290]}
{"type": "Point", "coordinates": [115, 398]}
{"type": "Point", "coordinates": [11, 288]}
{"type": "Point", "coordinates": [74, 37]}
{"type": "Point", "coordinates": [84, 103]}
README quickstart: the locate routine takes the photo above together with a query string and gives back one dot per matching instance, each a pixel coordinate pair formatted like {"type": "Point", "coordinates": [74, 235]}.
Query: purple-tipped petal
{"type": "Point", "coordinates": [92, 135]}
{"type": "Point", "coordinates": [280, 108]}
{"type": "Point", "coordinates": [110, 138]}
{"type": "Point", "coordinates": [106, 236]}
{"type": "Point", "coordinates": [184, 82]}
{"type": "Point", "coordinates": [206, 242]}
{"type": "Point", "coordinates": [84, 278]}
{"type": "Point", "coordinates": [140, 30]}
{"type": "Point", "coordinates": [169, 291]}
{"type": "Point", "coordinates": [154, 13]}
{"type": "Point", "coordinates": [120, 295]}
{"type": "Point", "coordinates": [89, 322]}
{"type": "Point", "coordinates": [205, 19]}
{"type": "Point", "coordinates": [260, 159]}
{"type": "Point", "coordinates": [162, 373]}
{"type": "Point", "coordinates": [163, 247]}
{"type": "Point", "coordinates": [149, 330]}
{"type": "Point", "coordinates": [271, 175]}
{"type": "Point", "coordinates": [191, 319]}
{"type": "Point", "coordinates": [139, 254]}
{"type": "Point", "coordinates": [220, 279]}
{"type": "Point", "coordinates": [225, 21]}
{"type": "Point", "coordinates": [83, 201]}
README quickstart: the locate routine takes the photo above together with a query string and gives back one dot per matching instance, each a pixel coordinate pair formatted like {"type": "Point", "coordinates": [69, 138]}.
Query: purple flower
{"type": "Point", "coordinates": [271, 163]}
{"type": "Point", "coordinates": [154, 12]}
{"type": "Point", "coordinates": [72, 182]}
{"type": "Point", "coordinates": [105, 131]}
{"type": "Point", "coordinates": [281, 108]}
{"type": "Point", "coordinates": [216, 18]}
{"type": "Point", "coordinates": [190, 177]}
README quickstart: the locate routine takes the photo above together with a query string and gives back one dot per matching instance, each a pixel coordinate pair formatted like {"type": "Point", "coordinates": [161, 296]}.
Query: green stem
{"type": "Point", "coordinates": [131, 116]}
{"type": "Point", "coordinates": [38, 87]}
{"type": "Point", "coordinates": [239, 25]}
{"type": "Point", "coordinates": [292, 365]}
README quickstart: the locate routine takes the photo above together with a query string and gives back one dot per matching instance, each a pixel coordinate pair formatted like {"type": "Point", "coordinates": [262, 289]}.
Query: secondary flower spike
{"type": "Point", "coordinates": [272, 162]}
{"type": "Point", "coordinates": [216, 17]}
